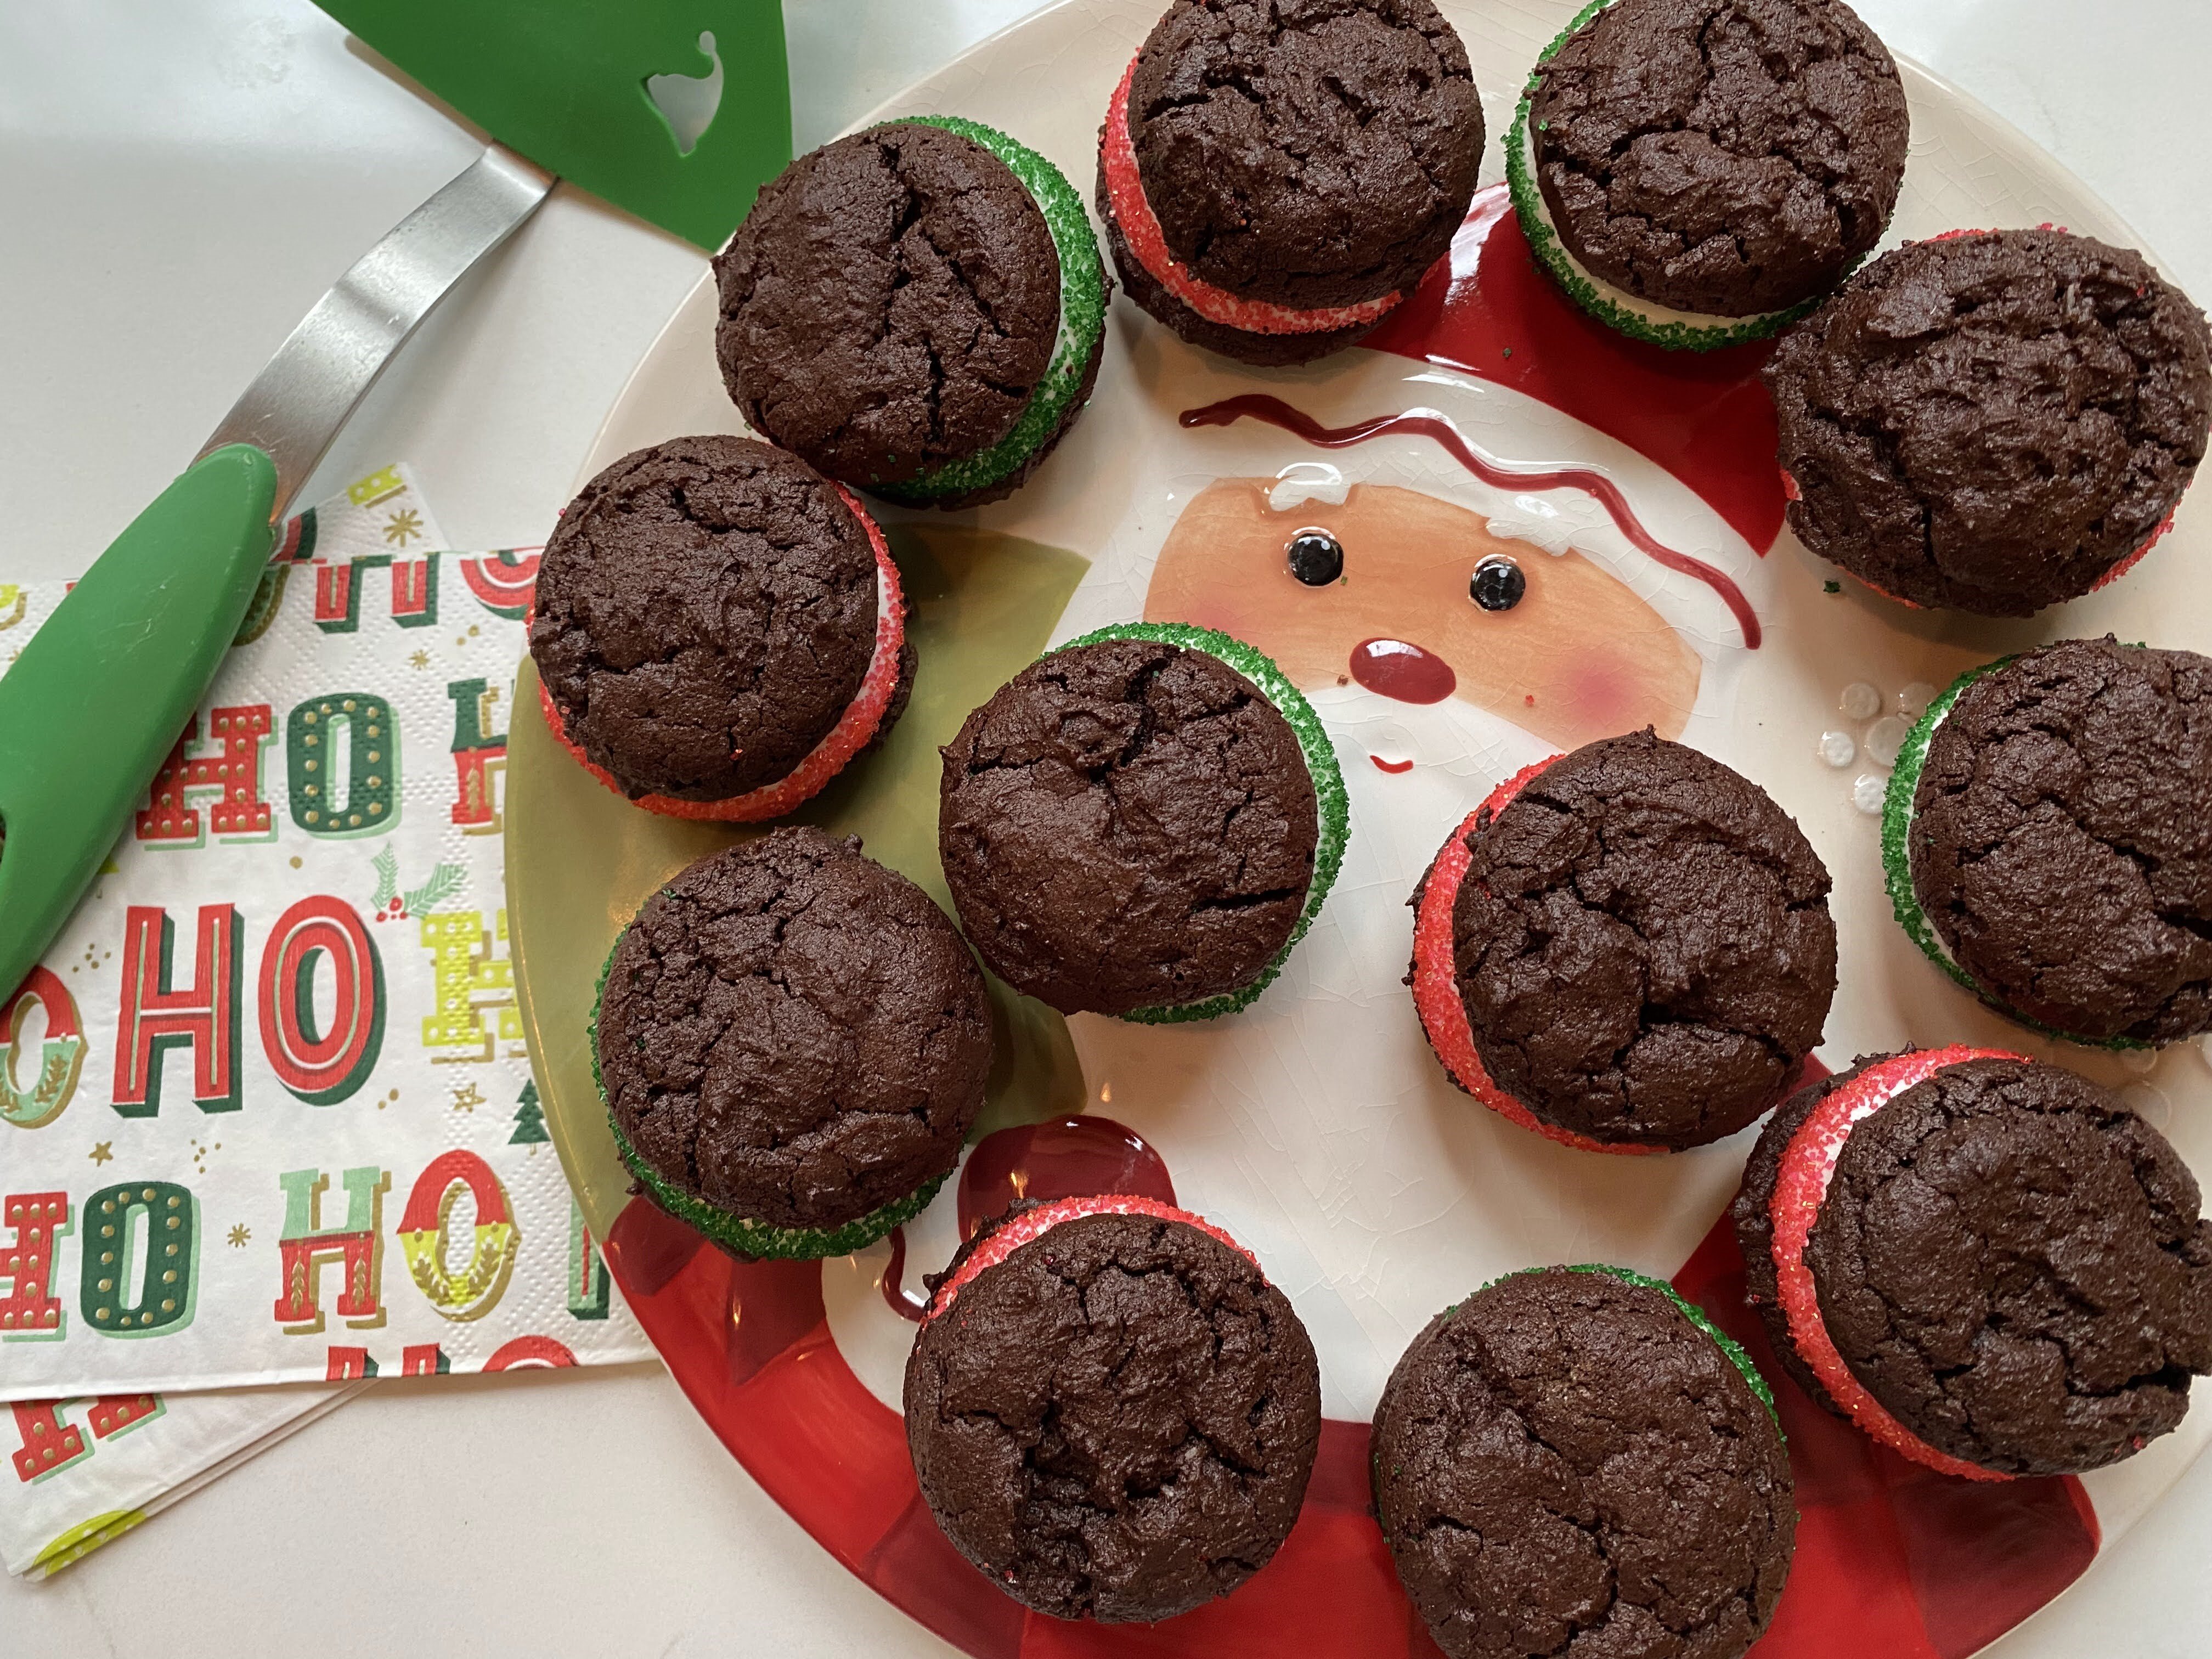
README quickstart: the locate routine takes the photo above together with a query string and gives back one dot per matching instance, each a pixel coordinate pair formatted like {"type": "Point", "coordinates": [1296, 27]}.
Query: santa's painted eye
{"type": "Point", "coordinates": [1497, 584]}
{"type": "Point", "coordinates": [1316, 558]}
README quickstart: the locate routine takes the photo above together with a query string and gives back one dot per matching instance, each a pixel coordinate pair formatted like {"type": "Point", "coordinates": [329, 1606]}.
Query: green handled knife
{"type": "Point", "coordinates": [676, 111]}
{"type": "Point", "coordinates": [94, 703]}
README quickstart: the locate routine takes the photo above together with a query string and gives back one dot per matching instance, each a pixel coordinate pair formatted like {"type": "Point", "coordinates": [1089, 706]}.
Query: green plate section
{"type": "Point", "coordinates": [565, 84]}
{"type": "Point", "coordinates": [1544, 243]}
{"type": "Point", "coordinates": [1329, 795]}
{"type": "Point", "coordinates": [580, 859]}
{"type": "Point", "coordinates": [1082, 321]}
{"type": "Point", "coordinates": [1896, 861]}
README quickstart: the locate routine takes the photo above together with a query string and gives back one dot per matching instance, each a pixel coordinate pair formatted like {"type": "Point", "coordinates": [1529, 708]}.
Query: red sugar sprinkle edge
{"type": "Point", "coordinates": [1953, 235]}
{"type": "Point", "coordinates": [1807, 1166]}
{"type": "Point", "coordinates": [1436, 991]}
{"type": "Point", "coordinates": [2134, 558]}
{"type": "Point", "coordinates": [1033, 1224]}
{"type": "Point", "coordinates": [1140, 227]}
{"type": "Point", "coordinates": [855, 729]}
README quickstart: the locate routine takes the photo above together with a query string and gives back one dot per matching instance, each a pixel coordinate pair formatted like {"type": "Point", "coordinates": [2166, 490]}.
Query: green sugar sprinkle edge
{"type": "Point", "coordinates": [756, 1239]}
{"type": "Point", "coordinates": [1896, 861]}
{"type": "Point", "coordinates": [1544, 242]}
{"type": "Point", "coordinates": [1697, 1315]}
{"type": "Point", "coordinates": [1329, 793]}
{"type": "Point", "coordinates": [1082, 321]}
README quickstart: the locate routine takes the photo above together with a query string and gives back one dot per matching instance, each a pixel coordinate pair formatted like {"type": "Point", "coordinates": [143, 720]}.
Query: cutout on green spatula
{"type": "Point", "coordinates": [676, 110]}
{"type": "Point", "coordinates": [688, 103]}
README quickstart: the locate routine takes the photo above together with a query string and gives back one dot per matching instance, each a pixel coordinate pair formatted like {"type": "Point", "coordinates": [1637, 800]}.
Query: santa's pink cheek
{"type": "Point", "coordinates": [1605, 698]}
{"type": "Point", "coordinates": [1403, 671]}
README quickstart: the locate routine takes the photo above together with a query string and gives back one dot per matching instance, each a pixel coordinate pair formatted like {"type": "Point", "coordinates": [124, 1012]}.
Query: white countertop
{"type": "Point", "coordinates": [179, 180]}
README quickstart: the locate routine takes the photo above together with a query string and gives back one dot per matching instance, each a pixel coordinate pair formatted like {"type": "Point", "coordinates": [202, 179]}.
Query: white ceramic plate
{"type": "Point", "coordinates": [1317, 1126]}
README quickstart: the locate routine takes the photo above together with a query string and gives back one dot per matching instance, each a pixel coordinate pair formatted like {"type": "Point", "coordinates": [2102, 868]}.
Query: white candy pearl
{"type": "Point", "coordinates": [1884, 739]}
{"type": "Point", "coordinates": [1912, 702]}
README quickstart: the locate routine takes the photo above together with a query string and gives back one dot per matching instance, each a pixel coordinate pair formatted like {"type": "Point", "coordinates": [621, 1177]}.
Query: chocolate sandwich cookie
{"type": "Point", "coordinates": [2048, 838]}
{"type": "Point", "coordinates": [1112, 1413]}
{"type": "Point", "coordinates": [718, 629]}
{"type": "Point", "coordinates": [918, 310]}
{"type": "Point", "coordinates": [1992, 421]}
{"type": "Point", "coordinates": [792, 1042]}
{"type": "Point", "coordinates": [1142, 824]}
{"type": "Point", "coordinates": [1992, 1266]}
{"type": "Point", "coordinates": [1576, 1459]}
{"type": "Point", "coordinates": [1699, 172]}
{"type": "Point", "coordinates": [1626, 949]}
{"type": "Point", "coordinates": [1274, 180]}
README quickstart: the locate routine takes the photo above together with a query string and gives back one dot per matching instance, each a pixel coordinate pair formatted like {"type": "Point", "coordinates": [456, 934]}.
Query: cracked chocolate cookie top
{"type": "Point", "coordinates": [2012, 1262]}
{"type": "Point", "coordinates": [1117, 1421]}
{"type": "Point", "coordinates": [794, 1033]}
{"type": "Point", "coordinates": [1643, 945]}
{"type": "Point", "coordinates": [1308, 153]}
{"type": "Point", "coordinates": [889, 304]}
{"type": "Point", "coordinates": [2062, 838]}
{"type": "Point", "coordinates": [1564, 1464]}
{"type": "Point", "coordinates": [1725, 157]}
{"type": "Point", "coordinates": [1994, 421]}
{"type": "Point", "coordinates": [1127, 825]}
{"type": "Point", "coordinates": [706, 610]}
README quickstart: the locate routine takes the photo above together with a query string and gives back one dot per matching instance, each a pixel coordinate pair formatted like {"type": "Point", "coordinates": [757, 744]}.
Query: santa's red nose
{"type": "Point", "coordinates": [1400, 669]}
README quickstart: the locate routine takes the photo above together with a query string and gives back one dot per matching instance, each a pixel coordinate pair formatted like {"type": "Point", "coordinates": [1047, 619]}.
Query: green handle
{"type": "Point", "coordinates": [95, 701]}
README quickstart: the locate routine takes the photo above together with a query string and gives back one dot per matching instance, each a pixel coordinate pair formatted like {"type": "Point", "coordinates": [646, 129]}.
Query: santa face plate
{"type": "Point", "coordinates": [1635, 493]}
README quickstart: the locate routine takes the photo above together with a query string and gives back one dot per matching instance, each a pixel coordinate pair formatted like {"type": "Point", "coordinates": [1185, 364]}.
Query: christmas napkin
{"type": "Point", "coordinates": [118, 1459]}
{"type": "Point", "coordinates": [266, 1115]}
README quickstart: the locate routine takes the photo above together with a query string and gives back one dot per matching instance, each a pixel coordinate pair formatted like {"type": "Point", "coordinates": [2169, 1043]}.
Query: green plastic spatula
{"type": "Point", "coordinates": [675, 109]}
{"type": "Point", "coordinates": [609, 93]}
